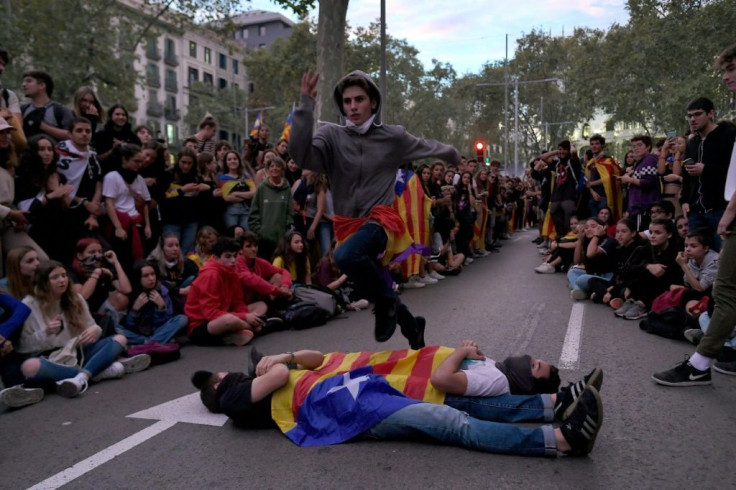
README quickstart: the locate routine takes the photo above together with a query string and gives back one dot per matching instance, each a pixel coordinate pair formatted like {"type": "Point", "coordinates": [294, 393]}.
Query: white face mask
{"type": "Point", "coordinates": [363, 128]}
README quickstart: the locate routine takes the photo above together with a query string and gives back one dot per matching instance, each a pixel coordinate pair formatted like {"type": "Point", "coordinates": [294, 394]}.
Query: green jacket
{"type": "Point", "coordinates": [270, 211]}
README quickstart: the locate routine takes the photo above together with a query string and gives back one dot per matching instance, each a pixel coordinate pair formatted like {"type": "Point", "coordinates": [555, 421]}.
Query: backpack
{"type": "Point", "coordinates": [669, 323]}
{"type": "Point", "coordinates": [160, 353]}
{"type": "Point", "coordinates": [321, 296]}
{"type": "Point", "coordinates": [303, 315]}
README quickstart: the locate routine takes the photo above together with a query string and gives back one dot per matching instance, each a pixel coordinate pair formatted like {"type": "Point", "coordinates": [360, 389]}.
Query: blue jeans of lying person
{"type": "Point", "coordinates": [449, 425]}
{"type": "Point", "coordinates": [357, 257]}
{"type": "Point", "coordinates": [578, 278]}
{"type": "Point", "coordinates": [97, 357]}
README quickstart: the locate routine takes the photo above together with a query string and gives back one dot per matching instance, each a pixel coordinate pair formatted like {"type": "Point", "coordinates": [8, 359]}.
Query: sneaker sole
{"type": "Point", "coordinates": [681, 383]}
{"type": "Point", "coordinates": [599, 420]}
{"type": "Point", "coordinates": [21, 397]}
{"type": "Point", "coordinates": [136, 363]}
{"type": "Point", "coordinates": [722, 371]}
{"type": "Point", "coordinates": [636, 317]}
{"type": "Point", "coordinates": [68, 390]}
{"type": "Point", "coordinates": [595, 381]}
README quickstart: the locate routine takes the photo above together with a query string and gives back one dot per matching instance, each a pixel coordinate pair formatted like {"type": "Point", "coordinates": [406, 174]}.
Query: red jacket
{"type": "Point", "coordinates": [254, 280]}
{"type": "Point", "coordinates": [215, 292]}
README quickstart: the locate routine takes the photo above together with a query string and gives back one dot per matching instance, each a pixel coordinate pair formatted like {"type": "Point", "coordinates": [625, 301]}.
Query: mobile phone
{"type": "Point", "coordinates": [688, 161]}
{"type": "Point", "coordinates": [671, 134]}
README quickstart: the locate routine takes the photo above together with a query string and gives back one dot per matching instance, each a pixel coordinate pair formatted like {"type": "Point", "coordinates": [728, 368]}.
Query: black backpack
{"type": "Point", "coordinates": [669, 323]}
{"type": "Point", "coordinates": [303, 315]}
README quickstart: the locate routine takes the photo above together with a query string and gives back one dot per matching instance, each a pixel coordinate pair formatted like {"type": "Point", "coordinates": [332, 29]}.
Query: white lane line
{"type": "Point", "coordinates": [570, 357]}
{"type": "Point", "coordinates": [89, 464]}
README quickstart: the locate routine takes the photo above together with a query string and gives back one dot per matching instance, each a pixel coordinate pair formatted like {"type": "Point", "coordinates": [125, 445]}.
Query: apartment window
{"type": "Point", "coordinates": [172, 134]}
{"type": "Point", "coordinates": [262, 31]}
{"type": "Point", "coordinates": [221, 83]}
{"type": "Point", "coordinates": [235, 66]}
{"type": "Point", "coordinates": [208, 56]}
{"type": "Point", "coordinates": [193, 75]}
{"type": "Point", "coordinates": [192, 49]}
{"type": "Point", "coordinates": [207, 78]}
{"type": "Point", "coordinates": [244, 33]}
{"type": "Point", "coordinates": [170, 81]}
{"type": "Point", "coordinates": [222, 61]}
{"type": "Point", "coordinates": [170, 48]}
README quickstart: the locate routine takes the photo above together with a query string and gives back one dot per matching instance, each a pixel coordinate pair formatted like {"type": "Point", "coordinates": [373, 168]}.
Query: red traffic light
{"type": "Point", "coordinates": [479, 146]}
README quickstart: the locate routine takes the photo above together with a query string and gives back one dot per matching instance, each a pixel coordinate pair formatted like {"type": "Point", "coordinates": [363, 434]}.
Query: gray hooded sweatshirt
{"type": "Point", "coordinates": [361, 167]}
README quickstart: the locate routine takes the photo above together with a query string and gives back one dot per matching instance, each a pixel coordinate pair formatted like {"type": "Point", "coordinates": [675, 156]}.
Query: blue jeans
{"type": "Point", "coordinates": [595, 206]}
{"type": "Point", "coordinates": [97, 357]}
{"type": "Point", "coordinates": [707, 220]}
{"type": "Point", "coordinates": [323, 234]}
{"type": "Point", "coordinates": [358, 256]}
{"type": "Point", "coordinates": [578, 279]}
{"type": "Point", "coordinates": [505, 408]}
{"type": "Point", "coordinates": [449, 425]}
{"type": "Point", "coordinates": [187, 234]}
{"type": "Point", "coordinates": [161, 334]}
{"type": "Point", "coordinates": [236, 214]}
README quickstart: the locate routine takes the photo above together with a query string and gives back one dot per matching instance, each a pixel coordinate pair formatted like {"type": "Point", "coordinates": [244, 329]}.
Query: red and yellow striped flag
{"type": "Point", "coordinates": [414, 207]}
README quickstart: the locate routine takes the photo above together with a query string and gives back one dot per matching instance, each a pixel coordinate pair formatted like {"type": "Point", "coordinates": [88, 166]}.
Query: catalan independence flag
{"type": "Point", "coordinates": [362, 387]}
{"type": "Point", "coordinates": [287, 125]}
{"type": "Point", "coordinates": [548, 226]}
{"type": "Point", "coordinates": [256, 125]}
{"type": "Point", "coordinates": [608, 170]}
{"type": "Point", "coordinates": [227, 183]}
{"type": "Point", "coordinates": [414, 207]}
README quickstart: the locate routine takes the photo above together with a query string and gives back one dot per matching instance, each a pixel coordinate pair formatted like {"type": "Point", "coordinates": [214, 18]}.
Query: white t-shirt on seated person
{"type": "Point", "coordinates": [484, 378]}
{"type": "Point", "coordinates": [115, 187]}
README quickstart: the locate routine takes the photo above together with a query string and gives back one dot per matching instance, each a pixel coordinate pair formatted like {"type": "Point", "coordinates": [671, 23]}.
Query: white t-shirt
{"type": "Point", "coordinates": [115, 187]}
{"type": "Point", "coordinates": [484, 378]}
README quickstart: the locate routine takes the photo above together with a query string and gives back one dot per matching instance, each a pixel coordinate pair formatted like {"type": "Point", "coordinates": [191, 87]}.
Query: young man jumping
{"type": "Point", "coordinates": [361, 159]}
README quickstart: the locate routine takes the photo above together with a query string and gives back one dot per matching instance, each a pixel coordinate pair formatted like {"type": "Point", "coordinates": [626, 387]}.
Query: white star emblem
{"type": "Point", "coordinates": [352, 385]}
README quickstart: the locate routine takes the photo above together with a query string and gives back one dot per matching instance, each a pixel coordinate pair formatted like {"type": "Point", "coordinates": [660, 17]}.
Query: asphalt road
{"type": "Point", "coordinates": [652, 436]}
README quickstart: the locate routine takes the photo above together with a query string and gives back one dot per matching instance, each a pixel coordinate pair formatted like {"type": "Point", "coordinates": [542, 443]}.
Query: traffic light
{"type": "Point", "coordinates": [480, 150]}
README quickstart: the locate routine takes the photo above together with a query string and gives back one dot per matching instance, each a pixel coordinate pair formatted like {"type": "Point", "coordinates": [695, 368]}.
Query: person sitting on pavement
{"type": "Point", "coordinates": [176, 271]}
{"type": "Point", "coordinates": [561, 252]}
{"type": "Point", "coordinates": [247, 398]}
{"type": "Point", "coordinates": [259, 279]}
{"type": "Point", "coordinates": [215, 307]}
{"type": "Point", "coordinates": [60, 321]}
{"type": "Point", "coordinates": [292, 254]}
{"type": "Point", "coordinates": [594, 253]}
{"type": "Point", "coordinates": [21, 265]}
{"type": "Point", "coordinates": [13, 313]}
{"type": "Point", "coordinates": [206, 238]}
{"type": "Point", "coordinates": [328, 275]}
{"type": "Point", "coordinates": [651, 271]}
{"type": "Point", "coordinates": [150, 318]}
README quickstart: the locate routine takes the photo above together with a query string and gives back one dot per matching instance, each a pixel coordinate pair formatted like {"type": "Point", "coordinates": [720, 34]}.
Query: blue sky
{"type": "Point", "coordinates": [467, 34]}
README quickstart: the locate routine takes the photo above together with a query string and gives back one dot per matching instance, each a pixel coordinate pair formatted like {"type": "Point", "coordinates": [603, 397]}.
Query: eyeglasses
{"type": "Point", "coordinates": [693, 115]}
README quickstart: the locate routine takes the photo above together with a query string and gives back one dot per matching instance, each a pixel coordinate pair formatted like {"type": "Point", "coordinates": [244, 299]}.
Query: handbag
{"type": "Point", "coordinates": [70, 355]}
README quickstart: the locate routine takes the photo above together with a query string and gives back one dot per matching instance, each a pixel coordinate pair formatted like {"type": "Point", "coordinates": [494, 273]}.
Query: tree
{"type": "Point", "coordinates": [224, 105]}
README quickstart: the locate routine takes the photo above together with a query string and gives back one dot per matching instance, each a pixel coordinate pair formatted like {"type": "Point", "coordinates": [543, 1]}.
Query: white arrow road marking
{"type": "Point", "coordinates": [186, 409]}
{"type": "Point", "coordinates": [570, 357]}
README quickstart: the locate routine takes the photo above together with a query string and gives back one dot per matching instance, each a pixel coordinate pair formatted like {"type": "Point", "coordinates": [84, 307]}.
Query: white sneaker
{"type": "Point", "coordinates": [414, 283]}
{"type": "Point", "coordinates": [468, 260]}
{"type": "Point", "coordinates": [545, 268]}
{"type": "Point", "coordinates": [71, 387]}
{"type": "Point", "coordinates": [361, 304]}
{"type": "Point", "coordinates": [428, 280]}
{"type": "Point", "coordinates": [17, 396]}
{"type": "Point", "coordinates": [136, 363]}
{"type": "Point", "coordinates": [114, 370]}
{"type": "Point", "coordinates": [436, 275]}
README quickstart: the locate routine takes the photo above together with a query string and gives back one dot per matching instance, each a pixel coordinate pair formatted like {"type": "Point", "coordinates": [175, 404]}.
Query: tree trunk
{"type": "Point", "coordinates": [330, 49]}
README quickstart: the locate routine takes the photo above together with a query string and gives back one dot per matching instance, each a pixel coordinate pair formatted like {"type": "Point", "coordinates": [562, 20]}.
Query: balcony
{"type": "Point", "coordinates": [153, 54]}
{"type": "Point", "coordinates": [172, 114]}
{"type": "Point", "coordinates": [171, 59]}
{"type": "Point", "coordinates": [153, 81]}
{"type": "Point", "coordinates": [171, 86]}
{"type": "Point", "coordinates": [154, 109]}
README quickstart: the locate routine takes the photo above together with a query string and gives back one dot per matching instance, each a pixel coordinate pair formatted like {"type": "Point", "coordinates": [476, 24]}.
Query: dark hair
{"type": "Point", "coordinates": [79, 120]}
{"type": "Point", "coordinates": [357, 81]}
{"type": "Point", "coordinates": [203, 159]}
{"type": "Point", "coordinates": [31, 166]}
{"type": "Point", "coordinates": [225, 244]}
{"type": "Point", "coordinates": [207, 122]}
{"type": "Point", "coordinates": [300, 262]}
{"type": "Point", "coordinates": [548, 385]}
{"type": "Point", "coordinates": [248, 237]}
{"type": "Point", "coordinates": [143, 126]}
{"type": "Point", "coordinates": [701, 103]}
{"type": "Point", "coordinates": [137, 274]}
{"type": "Point", "coordinates": [564, 144]}
{"type": "Point", "coordinates": [647, 140]}
{"type": "Point", "coordinates": [4, 55]}
{"type": "Point", "coordinates": [593, 218]}
{"type": "Point", "coordinates": [701, 236]}
{"type": "Point", "coordinates": [668, 225]}
{"type": "Point", "coordinates": [179, 176]}
{"type": "Point", "coordinates": [205, 382]}
{"type": "Point", "coordinates": [599, 138]}
{"type": "Point", "coordinates": [727, 56]}
{"type": "Point", "coordinates": [42, 77]}
{"type": "Point", "coordinates": [123, 151]}
{"type": "Point", "coordinates": [628, 223]}
{"type": "Point", "coordinates": [666, 206]}
{"type": "Point", "coordinates": [610, 215]}
{"type": "Point", "coordinates": [111, 110]}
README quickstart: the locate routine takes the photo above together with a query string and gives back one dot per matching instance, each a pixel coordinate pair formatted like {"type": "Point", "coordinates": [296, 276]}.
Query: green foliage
{"type": "Point", "coordinates": [224, 104]}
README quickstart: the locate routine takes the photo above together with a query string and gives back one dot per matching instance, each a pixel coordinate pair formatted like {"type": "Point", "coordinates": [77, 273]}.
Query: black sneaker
{"type": "Point", "coordinates": [582, 426]}
{"type": "Point", "coordinates": [726, 354]}
{"type": "Point", "coordinates": [684, 374]}
{"type": "Point", "coordinates": [417, 340]}
{"type": "Point", "coordinates": [385, 311]}
{"type": "Point", "coordinates": [568, 398]}
{"type": "Point", "coordinates": [272, 324]}
{"type": "Point", "coordinates": [728, 368]}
